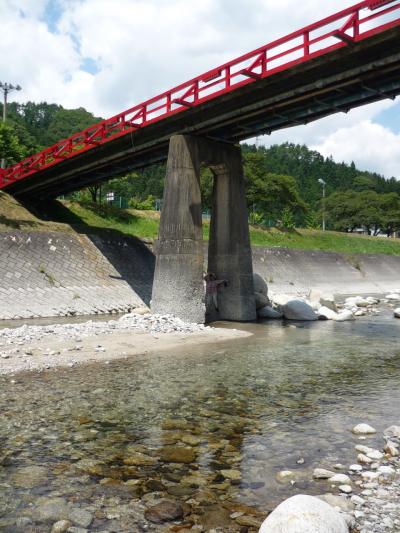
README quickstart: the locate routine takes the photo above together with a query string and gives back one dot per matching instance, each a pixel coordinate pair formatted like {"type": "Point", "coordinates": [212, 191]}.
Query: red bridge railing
{"type": "Point", "coordinates": [349, 26]}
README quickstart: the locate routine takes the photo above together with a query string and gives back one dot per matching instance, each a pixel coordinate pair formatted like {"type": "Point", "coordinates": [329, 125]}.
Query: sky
{"type": "Point", "coordinates": [109, 55]}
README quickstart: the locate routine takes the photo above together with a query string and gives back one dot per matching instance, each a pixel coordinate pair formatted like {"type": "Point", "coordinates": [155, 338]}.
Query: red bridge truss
{"type": "Point", "coordinates": [343, 29]}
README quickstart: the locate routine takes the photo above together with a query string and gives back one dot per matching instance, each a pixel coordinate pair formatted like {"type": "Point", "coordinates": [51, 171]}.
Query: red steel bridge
{"type": "Point", "coordinates": [346, 60]}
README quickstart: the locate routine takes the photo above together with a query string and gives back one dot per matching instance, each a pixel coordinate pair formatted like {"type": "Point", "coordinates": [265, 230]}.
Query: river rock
{"type": "Point", "coordinates": [394, 296]}
{"type": "Point", "coordinates": [268, 312]}
{"type": "Point", "coordinates": [396, 313]}
{"type": "Point", "coordinates": [363, 429]}
{"type": "Point", "coordinates": [51, 510]}
{"type": "Point", "coordinates": [321, 473]}
{"type": "Point", "coordinates": [304, 514]}
{"type": "Point", "coordinates": [234, 475]}
{"type": "Point", "coordinates": [328, 300]}
{"type": "Point", "coordinates": [344, 316]}
{"type": "Point", "coordinates": [80, 517]}
{"type": "Point", "coordinates": [139, 459]}
{"type": "Point", "coordinates": [391, 449]}
{"type": "Point", "coordinates": [260, 285]}
{"type": "Point", "coordinates": [392, 432]}
{"type": "Point", "coordinates": [284, 476]}
{"type": "Point", "coordinates": [61, 526]}
{"type": "Point", "coordinates": [375, 455]}
{"type": "Point", "coordinates": [178, 455]}
{"type": "Point", "coordinates": [261, 300]}
{"type": "Point", "coordinates": [346, 489]}
{"type": "Point", "coordinates": [29, 477]}
{"type": "Point", "coordinates": [340, 478]}
{"type": "Point", "coordinates": [299, 310]}
{"type": "Point", "coordinates": [327, 313]}
{"type": "Point", "coordinates": [341, 502]}
{"type": "Point", "coordinates": [363, 459]}
{"type": "Point", "coordinates": [165, 511]}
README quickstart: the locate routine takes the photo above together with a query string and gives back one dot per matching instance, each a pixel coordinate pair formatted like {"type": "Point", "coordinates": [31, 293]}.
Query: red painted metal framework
{"type": "Point", "coordinates": [344, 28]}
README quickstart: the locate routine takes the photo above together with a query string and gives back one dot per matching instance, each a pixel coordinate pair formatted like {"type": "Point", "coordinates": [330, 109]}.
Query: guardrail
{"type": "Point", "coordinates": [344, 28]}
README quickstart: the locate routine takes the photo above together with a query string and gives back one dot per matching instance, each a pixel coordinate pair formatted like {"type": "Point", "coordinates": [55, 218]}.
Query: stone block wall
{"type": "Point", "coordinates": [44, 274]}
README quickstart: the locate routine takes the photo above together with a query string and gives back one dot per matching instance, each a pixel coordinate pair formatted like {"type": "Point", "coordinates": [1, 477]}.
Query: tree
{"type": "Point", "coordinates": [269, 193]}
{"type": "Point", "coordinates": [10, 148]}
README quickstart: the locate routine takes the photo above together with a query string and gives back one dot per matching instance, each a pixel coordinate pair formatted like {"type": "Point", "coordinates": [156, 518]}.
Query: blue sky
{"type": "Point", "coordinates": [110, 55]}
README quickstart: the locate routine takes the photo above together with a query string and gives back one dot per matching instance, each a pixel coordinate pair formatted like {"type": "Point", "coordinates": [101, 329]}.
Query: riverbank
{"type": "Point", "coordinates": [30, 347]}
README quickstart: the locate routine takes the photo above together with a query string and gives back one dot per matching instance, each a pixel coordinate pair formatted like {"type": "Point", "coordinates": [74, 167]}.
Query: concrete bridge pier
{"type": "Point", "coordinates": [178, 279]}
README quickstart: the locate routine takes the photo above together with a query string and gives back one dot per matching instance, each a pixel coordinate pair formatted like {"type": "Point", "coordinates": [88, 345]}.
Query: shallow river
{"type": "Point", "coordinates": [212, 427]}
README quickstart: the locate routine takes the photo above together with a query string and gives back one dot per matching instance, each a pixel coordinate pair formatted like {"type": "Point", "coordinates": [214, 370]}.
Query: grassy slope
{"type": "Point", "coordinates": [144, 224]}
{"type": "Point", "coordinates": [89, 218]}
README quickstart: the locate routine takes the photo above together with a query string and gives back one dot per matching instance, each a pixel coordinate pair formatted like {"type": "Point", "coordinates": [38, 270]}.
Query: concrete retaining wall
{"type": "Point", "coordinates": [46, 274]}
{"type": "Point", "coordinates": [299, 271]}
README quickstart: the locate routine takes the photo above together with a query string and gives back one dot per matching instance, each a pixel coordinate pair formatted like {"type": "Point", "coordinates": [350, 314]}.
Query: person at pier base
{"type": "Point", "coordinates": [212, 284]}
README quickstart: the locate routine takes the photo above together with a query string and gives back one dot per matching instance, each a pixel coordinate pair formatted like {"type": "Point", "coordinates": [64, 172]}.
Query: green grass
{"type": "Point", "coordinates": [145, 224]}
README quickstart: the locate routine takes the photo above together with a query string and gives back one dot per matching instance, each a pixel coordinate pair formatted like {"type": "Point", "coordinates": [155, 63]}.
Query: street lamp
{"type": "Point", "coordinates": [322, 182]}
{"type": "Point", "coordinates": [7, 88]}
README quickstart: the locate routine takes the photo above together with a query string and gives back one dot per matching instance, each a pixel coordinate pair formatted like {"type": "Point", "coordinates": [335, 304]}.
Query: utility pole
{"type": "Point", "coordinates": [7, 88]}
{"type": "Point", "coordinates": [322, 182]}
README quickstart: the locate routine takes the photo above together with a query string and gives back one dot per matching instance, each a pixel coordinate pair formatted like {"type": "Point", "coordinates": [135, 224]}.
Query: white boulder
{"type": "Point", "coordinates": [268, 312]}
{"type": "Point", "coordinates": [299, 310]}
{"type": "Point", "coordinates": [393, 296]}
{"type": "Point", "coordinates": [363, 429]}
{"type": "Point", "coordinates": [322, 473]}
{"type": "Point", "coordinates": [327, 313]}
{"type": "Point", "coordinates": [396, 313]}
{"type": "Point", "coordinates": [304, 514]}
{"type": "Point", "coordinates": [344, 315]}
{"type": "Point", "coordinates": [341, 479]}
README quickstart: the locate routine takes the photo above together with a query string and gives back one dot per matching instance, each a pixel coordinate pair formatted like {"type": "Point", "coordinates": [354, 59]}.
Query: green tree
{"type": "Point", "coordinates": [10, 148]}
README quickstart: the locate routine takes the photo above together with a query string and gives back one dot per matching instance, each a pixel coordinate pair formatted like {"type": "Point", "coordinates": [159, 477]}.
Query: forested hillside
{"type": "Point", "coordinates": [283, 181]}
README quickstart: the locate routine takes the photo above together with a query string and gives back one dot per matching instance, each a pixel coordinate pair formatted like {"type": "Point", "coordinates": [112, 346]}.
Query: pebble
{"type": "Point", "coordinates": [322, 473]}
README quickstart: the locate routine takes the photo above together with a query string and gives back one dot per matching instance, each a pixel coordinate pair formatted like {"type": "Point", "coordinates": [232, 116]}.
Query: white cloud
{"type": "Point", "coordinates": [142, 47]}
{"type": "Point", "coordinates": [370, 145]}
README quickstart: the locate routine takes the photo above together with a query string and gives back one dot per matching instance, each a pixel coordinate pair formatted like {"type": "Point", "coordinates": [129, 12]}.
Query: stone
{"type": "Point", "coordinates": [268, 312]}
{"type": "Point", "coordinates": [61, 526]}
{"type": "Point", "coordinates": [260, 285]}
{"type": "Point", "coordinates": [299, 310]}
{"type": "Point", "coordinates": [29, 477]}
{"type": "Point", "coordinates": [328, 300]}
{"type": "Point", "coordinates": [346, 489]}
{"type": "Point", "coordinates": [165, 511]}
{"type": "Point", "coordinates": [391, 449]}
{"type": "Point", "coordinates": [304, 514]}
{"type": "Point", "coordinates": [396, 313]}
{"type": "Point", "coordinates": [393, 296]}
{"type": "Point", "coordinates": [340, 478]}
{"type": "Point", "coordinates": [261, 300]}
{"type": "Point", "coordinates": [284, 476]}
{"type": "Point", "coordinates": [51, 510]}
{"type": "Point", "coordinates": [392, 432]}
{"type": "Point", "coordinates": [80, 517]}
{"type": "Point", "coordinates": [363, 449]}
{"type": "Point", "coordinates": [375, 455]}
{"type": "Point", "coordinates": [356, 468]}
{"type": "Point", "coordinates": [344, 316]}
{"type": "Point", "coordinates": [321, 473]}
{"type": "Point", "coordinates": [178, 455]}
{"type": "Point", "coordinates": [338, 501]}
{"type": "Point", "coordinates": [327, 313]}
{"type": "Point", "coordinates": [140, 459]}
{"type": "Point", "coordinates": [232, 474]}
{"type": "Point", "coordinates": [363, 429]}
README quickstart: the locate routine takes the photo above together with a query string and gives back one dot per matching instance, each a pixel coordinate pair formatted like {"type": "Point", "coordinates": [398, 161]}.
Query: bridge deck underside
{"type": "Point", "coordinates": [337, 82]}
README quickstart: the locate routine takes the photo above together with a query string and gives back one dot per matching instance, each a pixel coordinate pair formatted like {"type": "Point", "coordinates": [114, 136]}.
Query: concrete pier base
{"type": "Point", "coordinates": [178, 280]}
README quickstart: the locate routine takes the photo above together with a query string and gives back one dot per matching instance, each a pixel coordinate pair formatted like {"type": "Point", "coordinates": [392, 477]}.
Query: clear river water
{"type": "Point", "coordinates": [210, 428]}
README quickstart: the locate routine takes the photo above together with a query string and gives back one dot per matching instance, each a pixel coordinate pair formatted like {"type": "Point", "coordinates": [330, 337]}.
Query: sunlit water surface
{"type": "Point", "coordinates": [257, 406]}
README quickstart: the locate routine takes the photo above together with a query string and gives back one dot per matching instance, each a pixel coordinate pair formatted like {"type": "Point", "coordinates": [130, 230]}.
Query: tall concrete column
{"type": "Point", "coordinates": [178, 283]}
{"type": "Point", "coordinates": [178, 278]}
{"type": "Point", "coordinates": [229, 254]}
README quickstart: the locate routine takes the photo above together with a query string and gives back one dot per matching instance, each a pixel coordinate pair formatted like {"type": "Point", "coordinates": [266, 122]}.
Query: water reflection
{"type": "Point", "coordinates": [212, 427]}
